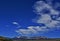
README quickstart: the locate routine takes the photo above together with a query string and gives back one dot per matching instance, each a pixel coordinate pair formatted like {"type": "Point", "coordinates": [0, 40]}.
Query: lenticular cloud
{"type": "Point", "coordinates": [47, 16]}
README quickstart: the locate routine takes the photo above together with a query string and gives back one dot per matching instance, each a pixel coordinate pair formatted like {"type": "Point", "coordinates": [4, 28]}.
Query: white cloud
{"type": "Point", "coordinates": [46, 18]}
{"type": "Point", "coordinates": [40, 5]}
{"type": "Point", "coordinates": [40, 29]}
{"type": "Point", "coordinates": [52, 24]}
{"type": "Point", "coordinates": [43, 18]}
{"type": "Point", "coordinates": [54, 12]}
{"type": "Point", "coordinates": [32, 30]}
{"type": "Point", "coordinates": [35, 29]}
{"type": "Point", "coordinates": [58, 19]}
{"type": "Point", "coordinates": [15, 23]}
{"type": "Point", "coordinates": [23, 31]}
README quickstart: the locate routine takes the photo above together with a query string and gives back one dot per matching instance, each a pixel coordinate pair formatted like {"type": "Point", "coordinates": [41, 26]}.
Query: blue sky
{"type": "Point", "coordinates": [21, 12]}
{"type": "Point", "coordinates": [15, 10]}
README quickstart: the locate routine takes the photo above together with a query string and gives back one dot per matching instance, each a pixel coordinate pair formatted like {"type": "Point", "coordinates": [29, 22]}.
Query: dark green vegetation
{"type": "Point", "coordinates": [25, 39]}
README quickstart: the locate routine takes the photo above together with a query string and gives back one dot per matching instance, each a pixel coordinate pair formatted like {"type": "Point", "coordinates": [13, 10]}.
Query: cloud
{"type": "Point", "coordinates": [54, 12]}
{"type": "Point", "coordinates": [15, 23]}
{"type": "Point", "coordinates": [52, 24]}
{"type": "Point", "coordinates": [32, 30]}
{"type": "Point", "coordinates": [41, 5]}
{"type": "Point", "coordinates": [58, 19]}
{"type": "Point", "coordinates": [24, 31]}
{"type": "Point", "coordinates": [38, 28]}
{"type": "Point", "coordinates": [44, 18]}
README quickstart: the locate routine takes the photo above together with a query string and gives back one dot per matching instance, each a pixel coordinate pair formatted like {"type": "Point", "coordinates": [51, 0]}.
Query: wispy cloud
{"type": "Point", "coordinates": [16, 23]}
{"type": "Point", "coordinates": [23, 31]}
{"type": "Point", "coordinates": [32, 30]}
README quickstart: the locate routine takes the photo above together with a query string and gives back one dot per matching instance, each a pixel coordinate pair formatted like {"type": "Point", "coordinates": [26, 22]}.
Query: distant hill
{"type": "Point", "coordinates": [24, 38]}
{"type": "Point", "coordinates": [5, 39]}
{"type": "Point", "coordinates": [38, 38]}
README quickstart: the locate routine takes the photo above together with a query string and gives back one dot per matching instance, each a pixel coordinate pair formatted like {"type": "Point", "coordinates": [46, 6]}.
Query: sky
{"type": "Point", "coordinates": [30, 18]}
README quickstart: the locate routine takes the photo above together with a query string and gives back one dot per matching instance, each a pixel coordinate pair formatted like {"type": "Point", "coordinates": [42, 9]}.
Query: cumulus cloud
{"type": "Point", "coordinates": [54, 12]}
{"type": "Point", "coordinates": [41, 5]}
{"type": "Point", "coordinates": [52, 24]}
{"type": "Point", "coordinates": [44, 18]}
